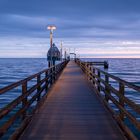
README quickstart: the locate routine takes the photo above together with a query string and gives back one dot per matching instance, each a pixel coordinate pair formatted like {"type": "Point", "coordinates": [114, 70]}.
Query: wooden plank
{"type": "Point", "coordinates": [72, 111]}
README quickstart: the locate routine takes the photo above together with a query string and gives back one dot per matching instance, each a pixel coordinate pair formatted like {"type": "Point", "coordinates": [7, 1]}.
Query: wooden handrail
{"type": "Point", "coordinates": [106, 91]}
{"type": "Point", "coordinates": [130, 85]}
{"type": "Point", "coordinates": [23, 104]}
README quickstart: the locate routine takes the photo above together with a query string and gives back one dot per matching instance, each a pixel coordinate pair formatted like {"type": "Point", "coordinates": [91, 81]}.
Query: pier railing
{"type": "Point", "coordinates": [21, 109]}
{"type": "Point", "coordinates": [122, 108]}
{"type": "Point", "coordinates": [98, 63]}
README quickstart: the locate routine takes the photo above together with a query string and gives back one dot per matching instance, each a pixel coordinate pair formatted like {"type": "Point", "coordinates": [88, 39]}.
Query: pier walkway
{"type": "Point", "coordinates": [72, 111]}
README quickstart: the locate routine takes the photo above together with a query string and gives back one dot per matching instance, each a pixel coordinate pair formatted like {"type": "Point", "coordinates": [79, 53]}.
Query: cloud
{"type": "Point", "coordinates": [100, 27]}
{"type": "Point", "coordinates": [38, 47]}
{"type": "Point", "coordinates": [103, 24]}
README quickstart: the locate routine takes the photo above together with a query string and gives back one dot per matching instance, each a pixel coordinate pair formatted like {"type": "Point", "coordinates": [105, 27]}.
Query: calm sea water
{"type": "Point", "coordinates": [12, 70]}
{"type": "Point", "coordinates": [127, 69]}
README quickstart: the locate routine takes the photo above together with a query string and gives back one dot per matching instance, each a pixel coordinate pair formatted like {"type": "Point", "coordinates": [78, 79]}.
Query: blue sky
{"type": "Point", "coordinates": [95, 28]}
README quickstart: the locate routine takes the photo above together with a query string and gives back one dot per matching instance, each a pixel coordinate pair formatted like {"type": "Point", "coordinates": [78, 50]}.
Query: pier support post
{"type": "Point", "coordinates": [24, 102]}
{"type": "Point", "coordinates": [99, 76]}
{"type": "Point", "coordinates": [106, 65]}
{"type": "Point", "coordinates": [121, 101]}
{"type": "Point", "coordinates": [106, 88]}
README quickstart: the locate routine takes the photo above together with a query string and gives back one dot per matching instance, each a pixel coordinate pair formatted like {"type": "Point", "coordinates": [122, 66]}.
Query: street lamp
{"type": "Point", "coordinates": [51, 28]}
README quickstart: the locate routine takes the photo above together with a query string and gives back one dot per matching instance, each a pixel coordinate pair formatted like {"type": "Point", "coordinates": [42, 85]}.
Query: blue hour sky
{"type": "Point", "coordinates": [95, 28]}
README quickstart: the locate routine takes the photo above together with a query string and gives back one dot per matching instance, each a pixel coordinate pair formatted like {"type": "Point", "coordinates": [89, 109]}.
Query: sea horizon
{"type": "Point", "coordinates": [77, 57]}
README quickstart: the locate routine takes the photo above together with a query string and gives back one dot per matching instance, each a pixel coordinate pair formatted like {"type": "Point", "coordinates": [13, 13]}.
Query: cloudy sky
{"type": "Point", "coordinates": [95, 28]}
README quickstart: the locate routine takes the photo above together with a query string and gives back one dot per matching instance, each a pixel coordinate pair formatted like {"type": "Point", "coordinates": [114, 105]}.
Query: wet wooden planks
{"type": "Point", "coordinates": [72, 112]}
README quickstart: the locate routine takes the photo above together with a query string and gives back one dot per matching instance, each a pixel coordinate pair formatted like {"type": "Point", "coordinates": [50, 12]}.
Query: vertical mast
{"type": "Point", "coordinates": [61, 55]}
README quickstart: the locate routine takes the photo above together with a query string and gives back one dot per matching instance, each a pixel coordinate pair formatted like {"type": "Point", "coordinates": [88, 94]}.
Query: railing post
{"type": "Point", "coordinates": [90, 73]}
{"type": "Point", "coordinates": [54, 74]}
{"type": "Point", "coordinates": [121, 101]}
{"type": "Point", "coordinates": [46, 77]}
{"type": "Point", "coordinates": [51, 76]}
{"type": "Point", "coordinates": [24, 101]}
{"type": "Point", "coordinates": [87, 70]}
{"type": "Point", "coordinates": [59, 68]}
{"type": "Point", "coordinates": [93, 76]}
{"type": "Point", "coordinates": [99, 76]}
{"type": "Point", "coordinates": [106, 88]}
{"type": "Point", "coordinates": [39, 86]}
{"type": "Point", "coordinates": [83, 66]}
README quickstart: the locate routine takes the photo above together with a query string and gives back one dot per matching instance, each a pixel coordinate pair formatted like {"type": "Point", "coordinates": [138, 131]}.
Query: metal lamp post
{"type": "Point", "coordinates": [51, 28]}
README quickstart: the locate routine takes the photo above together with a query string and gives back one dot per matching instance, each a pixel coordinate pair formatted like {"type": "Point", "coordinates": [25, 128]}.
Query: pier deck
{"type": "Point", "coordinates": [72, 112]}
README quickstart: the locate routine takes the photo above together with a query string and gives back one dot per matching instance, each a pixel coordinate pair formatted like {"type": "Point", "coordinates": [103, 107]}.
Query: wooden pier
{"type": "Point", "coordinates": [72, 111]}
{"type": "Point", "coordinates": [71, 105]}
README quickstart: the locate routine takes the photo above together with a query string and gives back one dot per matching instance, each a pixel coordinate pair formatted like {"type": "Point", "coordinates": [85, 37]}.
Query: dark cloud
{"type": "Point", "coordinates": [96, 27]}
{"type": "Point", "coordinates": [72, 8]}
